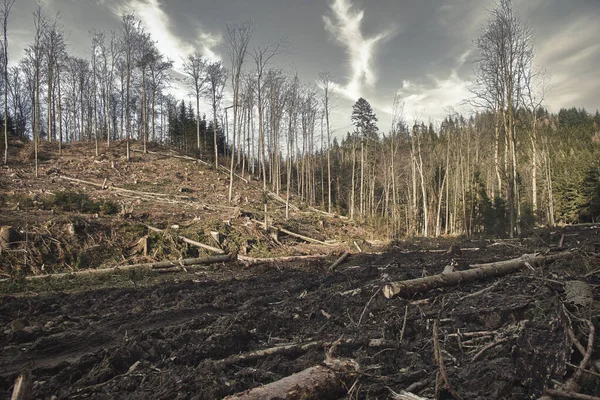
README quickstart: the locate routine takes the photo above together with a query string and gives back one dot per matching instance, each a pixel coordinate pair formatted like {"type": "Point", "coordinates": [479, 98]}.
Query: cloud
{"type": "Point", "coordinates": [434, 96]}
{"type": "Point", "coordinates": [571, 55]}
{"type": "Point", "coordinates": [344, 24]}
{"type": "Point", "coordinates": [159, 24]}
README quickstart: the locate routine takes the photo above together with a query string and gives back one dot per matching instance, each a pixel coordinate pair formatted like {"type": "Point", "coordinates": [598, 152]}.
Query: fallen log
{"type": "Point", "coordinates": [320, 381]}
{"type": "Point", "coordinates": [190, 241]}
{"type": "Point", "coordinates": [340, 260]}
{"type": "Point", "coordinates": [278, 198]}
{"type": "Point", "coordinates": [253, 261]}
{"type": "Point", "coordinates": [103, 186]}
{"type": "Point", "coordinates": [294, 234]}
{"type": "Point", "coordinates": [234, 174]}
{"type": "Point", "coordinates": [159, 265]}
{"type": "Point", "coordinates": [22, 388]}
{"type": "Point", "coordinates": [173, 156]}
{"type": "Point", "coordinates": [477, 272]}
{"type": "Point", "coordinates": [257, 354]}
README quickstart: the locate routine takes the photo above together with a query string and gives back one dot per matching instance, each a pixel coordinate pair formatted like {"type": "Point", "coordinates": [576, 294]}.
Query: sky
{"type": "Point", "coordinates": [423, 51]}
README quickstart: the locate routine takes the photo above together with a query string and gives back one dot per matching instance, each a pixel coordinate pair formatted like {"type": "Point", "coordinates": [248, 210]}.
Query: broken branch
{"type": "Point", "coordinates": [339, 261]}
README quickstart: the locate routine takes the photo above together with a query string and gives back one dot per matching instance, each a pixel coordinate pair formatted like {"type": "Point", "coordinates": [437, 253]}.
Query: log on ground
{"type": "Point", "coordinates": [477, 272]}
{"type": "Point", "coordinates": [190, 241]}
{"type": "Point", "coordinates": [159, 265]}
{"type": "Point", "coordinates": [253, 261]}
{"type": "Point", "coordinates": [317, 382]}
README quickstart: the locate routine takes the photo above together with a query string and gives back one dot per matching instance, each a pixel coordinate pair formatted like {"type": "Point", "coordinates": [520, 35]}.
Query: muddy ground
{"type": "Point", "coordinates": [178, 338]}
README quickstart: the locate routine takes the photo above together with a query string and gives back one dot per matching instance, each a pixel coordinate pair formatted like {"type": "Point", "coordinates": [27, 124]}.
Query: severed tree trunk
{"type": "Point", "coordinates": [318, 382]}
{"type": "Point", "coordinates": [478, 272]}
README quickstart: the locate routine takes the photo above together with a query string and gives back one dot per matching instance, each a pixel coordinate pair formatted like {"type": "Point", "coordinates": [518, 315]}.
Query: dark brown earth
{"type": "Point", "coordinates": [173, 339]}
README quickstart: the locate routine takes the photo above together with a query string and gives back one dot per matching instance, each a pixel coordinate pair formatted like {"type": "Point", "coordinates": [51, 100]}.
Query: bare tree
{"type": "Point", "coordinates": [535, 87]}
{"type": "Point", "coordinates": [504, 46]}
{"type": "Point", "coordinates": [130, 27]}
{"type": "Point", "coordinates": [237, 38]}
{"type": "Point", "coordinates": [147, 54]}
{"type": "Point", "coordinates": [216, 75]}
{"type": "Point", "coordinates": [159, 78]}
{"type": "Point", "coordinates": [6, 7]}
{"type": "Point", "coordinates": [40, 25]}
{"type": "Point", "coordinates": [195, 67]}
{"type": "Point", "coordinates": [326, 83]}
{"type": "Point", "coordinates": [97, 39]}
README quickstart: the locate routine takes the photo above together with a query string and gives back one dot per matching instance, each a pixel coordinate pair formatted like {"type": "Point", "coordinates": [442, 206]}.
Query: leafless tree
{"type": "Point", "coordinates": [535, 87]}
{"type": "Point", "coordinates": [237, 38]}
{"type": "Point", "coordinates": [216, 75]}
{"type": "Point", "coordinates": [159, 78]}
{"type": "Point", "coordinates": [505, 46]}
{"type": "Point", "coordinates": [194, 66]}
{"type": "Point", "coordinates": [326, 83]}
{"type": "Point", "coordinates": [6, 7]}
{"type": "Point", "coordinates": [130, 29]}
{"type": "Point", "coordinates": [262, 57]}
{"type": "Point", "coordinates": [40, 24]}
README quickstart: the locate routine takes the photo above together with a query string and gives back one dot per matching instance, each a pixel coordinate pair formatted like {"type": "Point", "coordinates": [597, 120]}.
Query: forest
{"type": "Point", "coordinates": [510, 166]}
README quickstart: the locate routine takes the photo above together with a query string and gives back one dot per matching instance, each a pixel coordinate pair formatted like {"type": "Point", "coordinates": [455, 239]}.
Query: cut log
{"type": "Point", "coordinates": [150, 266]}
{"type": "Point", "coordinates": [339, 261]}
{"type": "Point", "coordinates": [190, 241]}
{"type": "Point", "coordinates": [173, 156]}
{"type": "Point", "coordinates": [405, 395]}
{"type": "Point", "coordinates": [318, 382]}
{"type": "Point", "coordinates": [357, 247]}
{"type": "Point", "coordinates": [216, 236]}
{"type": "Point", "coordinates": [477, 272]}
{"type": "Point", "coordinates": [253, 261]}
{"type": "Point", "coordinates": [22, 388]}
{"type": "Point", "coordinates": [278, 198]}
{"type": "Point", "coordinates": [296, 235]}
{"type": "Point", "coordinates": [234, 174]}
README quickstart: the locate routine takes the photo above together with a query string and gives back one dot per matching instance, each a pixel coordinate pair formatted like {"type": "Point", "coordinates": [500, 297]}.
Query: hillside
{"type": "Point", "coordinates": [96, 304]}
{"type": "Point", "coordinates": [84, 211]}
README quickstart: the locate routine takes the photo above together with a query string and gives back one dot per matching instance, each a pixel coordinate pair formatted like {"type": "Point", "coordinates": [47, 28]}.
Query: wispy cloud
{"type": "Point", "coordinates": [159, 24]}
{"type": "Point", "coordinates": [345, 25]}
{"type": "Point", "coordinates": [434, 97]}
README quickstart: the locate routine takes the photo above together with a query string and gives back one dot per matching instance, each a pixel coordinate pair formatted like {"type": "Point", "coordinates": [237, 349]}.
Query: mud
{"type": "Point", "coordinates": [176, 340]}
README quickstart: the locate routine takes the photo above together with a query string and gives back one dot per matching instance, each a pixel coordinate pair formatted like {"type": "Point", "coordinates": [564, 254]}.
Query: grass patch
{"type": "Point", "coordinates": [80, 202]}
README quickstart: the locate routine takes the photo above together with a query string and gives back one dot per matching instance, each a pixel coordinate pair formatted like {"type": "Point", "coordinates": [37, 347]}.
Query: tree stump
{"type": "Point", "coordinates": [9, 237]}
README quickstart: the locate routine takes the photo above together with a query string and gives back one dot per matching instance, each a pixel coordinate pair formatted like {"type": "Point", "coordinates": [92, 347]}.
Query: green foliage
{"type": "Point", "coordinates": [494, 215]}
{"type": "Point", "coordinates": [80, 202]}
{"type": "Point", "coordinates": [108, 207]}
{"type": "Point", "coordinates": [74, 202]}
{"type": "Point", "coordinates": [24, 202]}
{"type": "Point", "coordinates": [590, 211]}
{"type": "Point", "coordinates": [364, 119]}
{"type": "Point", "coordinates": [527, 218]}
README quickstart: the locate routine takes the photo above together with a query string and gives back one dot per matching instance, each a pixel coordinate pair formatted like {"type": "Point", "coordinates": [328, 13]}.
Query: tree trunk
{"type": "Point", "coordinates": [318, 382]}
{"type": "Point", "coordinates": [477, 272]}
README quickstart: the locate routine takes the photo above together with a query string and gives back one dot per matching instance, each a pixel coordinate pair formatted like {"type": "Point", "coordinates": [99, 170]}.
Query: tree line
{"type": "Point", "coordinates": [506, 168]}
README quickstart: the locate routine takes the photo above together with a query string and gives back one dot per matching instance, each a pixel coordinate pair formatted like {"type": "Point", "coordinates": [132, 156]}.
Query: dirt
{"type": "Point", "coordinates": [170, 340]}
{"type": "Point", "coordinates": [150, 335]}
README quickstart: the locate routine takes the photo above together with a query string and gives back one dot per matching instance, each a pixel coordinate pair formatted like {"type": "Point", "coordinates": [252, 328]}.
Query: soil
{"type": "Point", "coordinates": [146, 335]}
{"type": "Point", "coordinates": [173, 339]}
